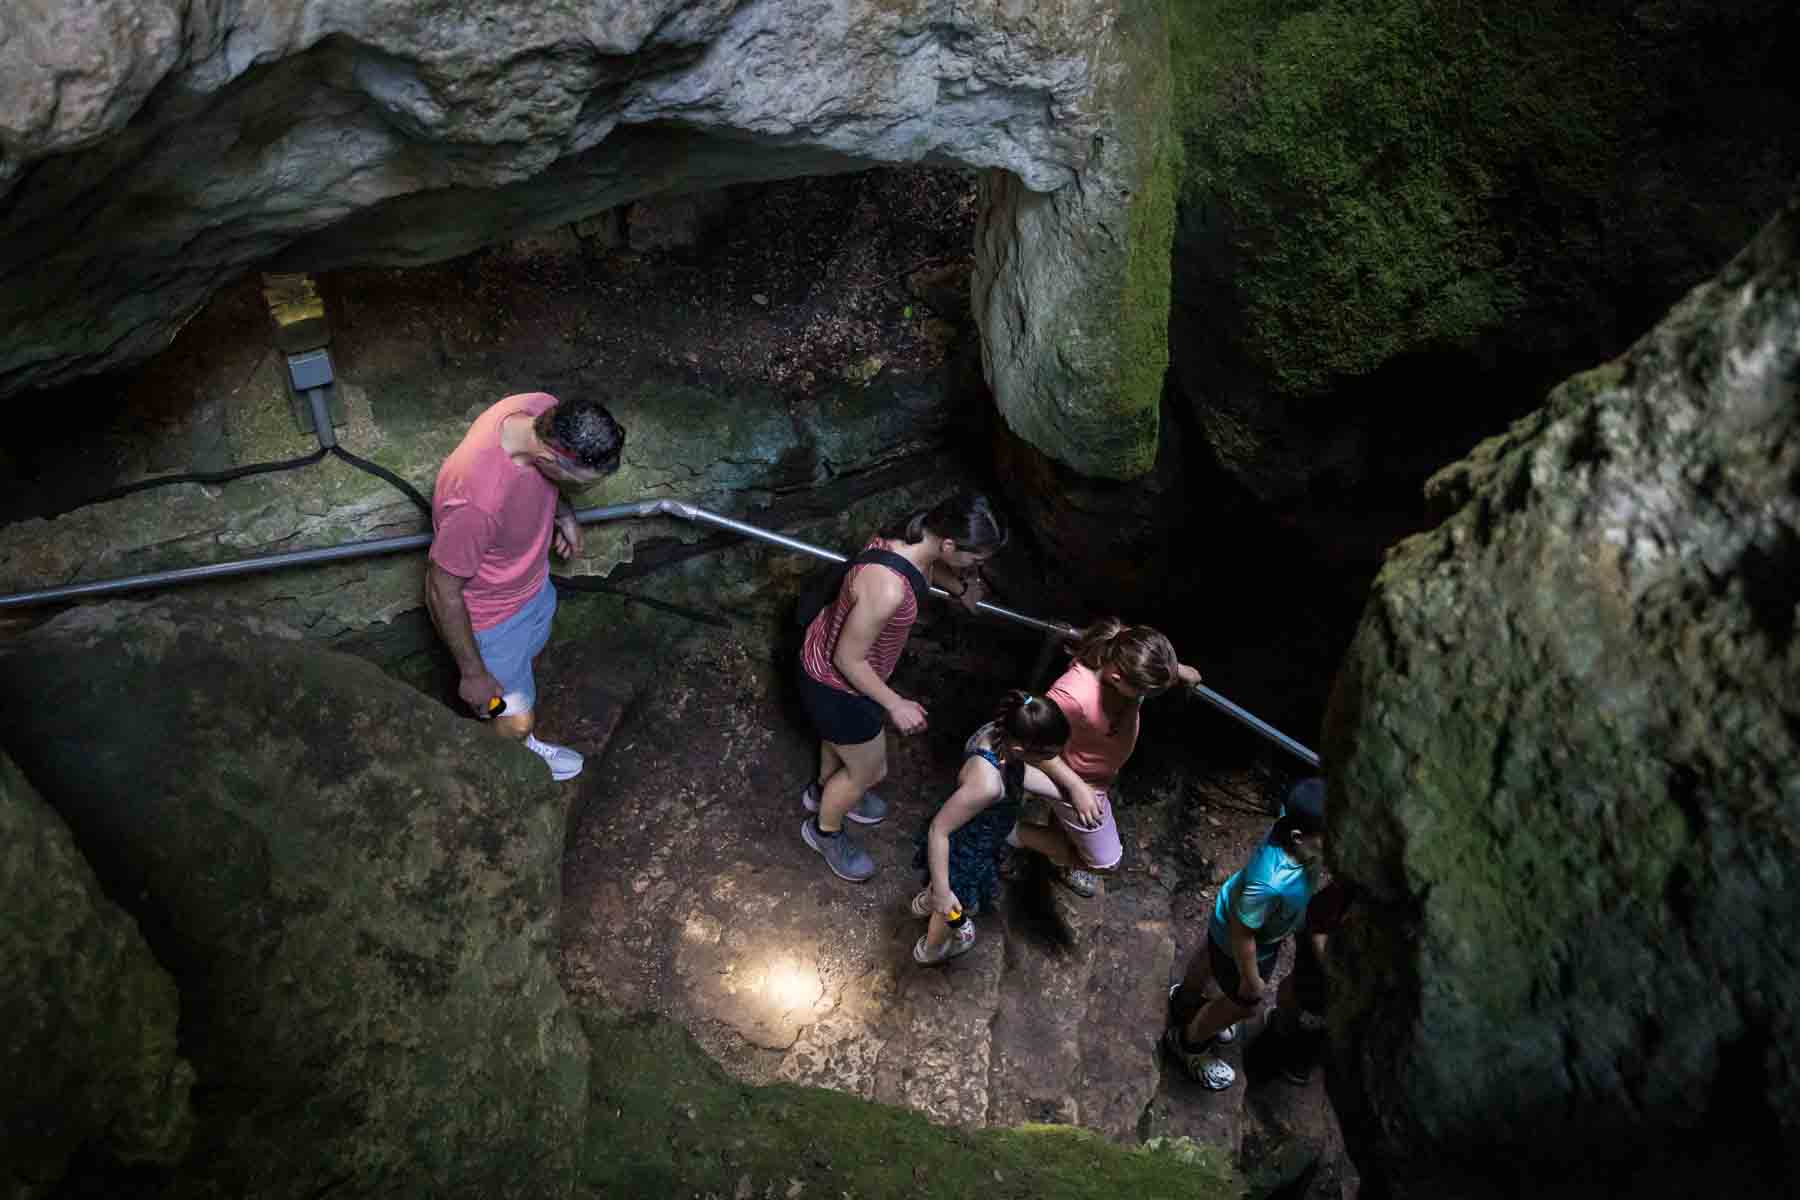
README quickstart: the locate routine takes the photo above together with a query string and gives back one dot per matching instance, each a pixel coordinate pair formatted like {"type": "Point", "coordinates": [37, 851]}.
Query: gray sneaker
{"type": "Point", "coordinates": [1082, 883]}
{"type": "Point", "coordinates": [846, 859]}
{"type": "Point", "coordinates": [870, 810]}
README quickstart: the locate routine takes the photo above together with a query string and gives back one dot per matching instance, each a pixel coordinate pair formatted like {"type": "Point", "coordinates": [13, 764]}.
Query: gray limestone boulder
{"type": "Point", "coordinates": [87, 1017]}
{"type": "Point", "coordinates": [355, 891]}
{"type": "Point", "coordinates": [1565, 761]}
{"type": "Point", "coordinates": [1071, 288]}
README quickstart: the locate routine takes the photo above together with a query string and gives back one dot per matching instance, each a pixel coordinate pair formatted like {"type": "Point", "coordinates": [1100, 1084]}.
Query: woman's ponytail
{"type": "Point", "coordinates": [967, 518]}
{"type": "Point", "coordinates": [1142, 656]}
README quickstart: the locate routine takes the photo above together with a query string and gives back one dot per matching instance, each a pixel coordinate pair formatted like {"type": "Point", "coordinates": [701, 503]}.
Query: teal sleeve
{"type": "Point", "coordinates": [1253, 900]}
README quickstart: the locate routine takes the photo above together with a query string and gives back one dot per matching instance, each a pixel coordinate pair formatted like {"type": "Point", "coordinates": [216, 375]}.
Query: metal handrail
{"type": "Point", "coordinates": [679, 509]}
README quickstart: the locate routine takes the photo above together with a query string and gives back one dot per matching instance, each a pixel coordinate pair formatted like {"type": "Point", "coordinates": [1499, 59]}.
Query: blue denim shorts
{"type": "Point", "coordinates": [508, 648]}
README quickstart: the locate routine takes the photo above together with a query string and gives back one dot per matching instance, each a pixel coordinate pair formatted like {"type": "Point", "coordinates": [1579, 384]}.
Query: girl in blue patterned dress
{"type": "Point", "coordinates": [961, 847]}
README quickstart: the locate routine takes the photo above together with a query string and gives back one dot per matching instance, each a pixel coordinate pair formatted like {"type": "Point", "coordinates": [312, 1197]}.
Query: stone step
{"type": "Point", "coordinates": [1042, 1005]}
{"type": "Point", "coordinates": [1183, 1108]}
{"type": "Point", "coordinates": [1300, 1145]}
{"type": "Point", "coordinates": [936, 1057]}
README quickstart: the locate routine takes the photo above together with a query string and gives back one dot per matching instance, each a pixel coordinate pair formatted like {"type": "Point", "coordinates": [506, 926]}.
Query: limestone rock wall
{"type": "Point", "coordinates": [355, 891]}
{"type": "Point", "coordinates": [87, 1017]}
{"type": "Point", "coordinates": [413, 370]}
{"type": "Point", "coordinates": [1072, 287]}
{"type": "Point", "coordinates": [1563, 753]}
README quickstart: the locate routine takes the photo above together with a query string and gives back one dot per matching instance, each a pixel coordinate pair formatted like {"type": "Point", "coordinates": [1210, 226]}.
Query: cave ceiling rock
{"type": "Point", "coordinates": [151, 150]}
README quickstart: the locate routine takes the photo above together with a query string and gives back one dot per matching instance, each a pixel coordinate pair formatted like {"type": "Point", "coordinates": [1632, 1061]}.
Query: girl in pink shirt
{"type": "Point", "coordinates": [1116, 668]}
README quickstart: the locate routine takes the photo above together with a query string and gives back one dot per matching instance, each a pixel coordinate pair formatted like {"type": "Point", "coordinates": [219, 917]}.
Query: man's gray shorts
{"type": "Point", "coordinates": [508, 648]}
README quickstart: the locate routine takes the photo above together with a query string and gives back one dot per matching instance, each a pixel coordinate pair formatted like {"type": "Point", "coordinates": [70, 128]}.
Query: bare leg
{"type": "Point", "coordinates": [515, 726]}
{"type": "Point", "coordinates": [1218, 1012]}
{"type": "Point", "coordinates": [864, 766]}
{"type": "Point", "coordinates": [937, 933]}
{"type": "Point", "coordinates": [829, 761]}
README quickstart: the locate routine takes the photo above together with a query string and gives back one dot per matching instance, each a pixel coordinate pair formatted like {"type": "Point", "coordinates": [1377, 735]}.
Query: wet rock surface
{"type": "Point", "coordinates": [354, 891]}
{"type": "Point", "coordinates": [87, 1018]}
{"type": "Point", "coordinates": [1564, 748]}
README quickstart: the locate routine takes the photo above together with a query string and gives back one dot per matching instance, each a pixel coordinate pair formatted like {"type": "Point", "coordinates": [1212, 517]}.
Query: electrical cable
{"type": "Point", "coordinates": [267, 468]}
{"type": "Point", "coordinates": [381, 472]}
{"type": "Point", "coordinates": [593, 583]}
{"type": "Point", "coordinates": [212, 477]}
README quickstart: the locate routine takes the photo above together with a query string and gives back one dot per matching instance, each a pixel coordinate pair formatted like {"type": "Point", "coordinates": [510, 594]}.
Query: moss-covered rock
{"type": "Point", "coordinates": [1516, 188]}
{"type": "Point", "coordinates": [1563, 754]}
{"type": "Point", "coordinates": [1072, 287]}
{"type": "Point", "coordinates": [665, 1120]}
{"type": "Point", "coordinates": [87, 1017]}
{"type": "Point", "coordinates": [355, 891]}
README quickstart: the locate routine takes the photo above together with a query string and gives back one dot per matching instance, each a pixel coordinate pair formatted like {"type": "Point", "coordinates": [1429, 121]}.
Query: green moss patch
{"type": "Point", "coordinates": [665, 1120]}
{"type": "Point", "coordinates": [1393, 175]}
{"type": "Point", "coordinates": [1143, 296]}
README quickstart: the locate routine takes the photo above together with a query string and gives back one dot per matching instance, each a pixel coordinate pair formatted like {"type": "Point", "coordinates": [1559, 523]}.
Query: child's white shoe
{"type": "Point", "coordinates": [960, 941]}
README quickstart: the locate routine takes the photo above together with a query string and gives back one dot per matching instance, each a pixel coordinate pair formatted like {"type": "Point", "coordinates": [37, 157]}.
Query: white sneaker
{"type": "Point", "coordinates": [960, 942]}
{"type": "Point", "coordinates": [563, 762]}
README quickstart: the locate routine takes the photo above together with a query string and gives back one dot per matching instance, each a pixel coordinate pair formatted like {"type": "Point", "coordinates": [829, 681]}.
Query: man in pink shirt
{"type": "Point", "coordinates": [496, 512]}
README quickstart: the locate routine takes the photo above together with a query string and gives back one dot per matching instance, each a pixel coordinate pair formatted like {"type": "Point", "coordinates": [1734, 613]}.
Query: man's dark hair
{"type": "Point", "coordinates": [1305, 808]}
{"type": "Point", "coordinates": [585, 431]}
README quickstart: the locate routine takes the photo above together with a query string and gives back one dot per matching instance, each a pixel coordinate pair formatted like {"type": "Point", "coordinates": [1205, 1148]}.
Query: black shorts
{"type": "Point", "coordinates": [841, 718]}
{"type": "Point", "coordinates": [1225, 970]}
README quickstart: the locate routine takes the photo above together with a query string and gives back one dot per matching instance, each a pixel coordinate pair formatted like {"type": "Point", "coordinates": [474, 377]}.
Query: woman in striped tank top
{"type": "Point", "coordinates": [851, 648]}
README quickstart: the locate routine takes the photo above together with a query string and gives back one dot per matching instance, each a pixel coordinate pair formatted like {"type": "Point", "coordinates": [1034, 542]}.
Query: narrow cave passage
{"type": "Point", "coordinates": [801, 354]}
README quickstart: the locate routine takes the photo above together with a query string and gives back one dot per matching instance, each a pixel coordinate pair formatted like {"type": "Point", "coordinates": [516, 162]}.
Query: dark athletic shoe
{"type": "Point", "coordinates": [870, 810]}
{"type": "Point", "coordinates": [846, 859]}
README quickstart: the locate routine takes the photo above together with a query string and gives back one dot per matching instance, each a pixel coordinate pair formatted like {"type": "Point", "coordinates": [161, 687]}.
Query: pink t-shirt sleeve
{"type": "Point", "coordinates": [1091, 753]}
{"type": "Point", "coordinates": [463, 536]}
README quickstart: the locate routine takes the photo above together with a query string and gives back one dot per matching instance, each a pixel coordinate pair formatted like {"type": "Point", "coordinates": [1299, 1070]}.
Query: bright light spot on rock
{"type": "Point", "coordinates": [789, 985]}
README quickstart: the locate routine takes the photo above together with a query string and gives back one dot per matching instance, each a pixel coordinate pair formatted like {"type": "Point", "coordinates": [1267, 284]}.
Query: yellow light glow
{"type": "Point", "coordinates": [789, 985]}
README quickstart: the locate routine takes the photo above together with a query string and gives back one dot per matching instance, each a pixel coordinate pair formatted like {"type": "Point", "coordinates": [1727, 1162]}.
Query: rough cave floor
{"type": "Point", "coordinates": [689, 893]}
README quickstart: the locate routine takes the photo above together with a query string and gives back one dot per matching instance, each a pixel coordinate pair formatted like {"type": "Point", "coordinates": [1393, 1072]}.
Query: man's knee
{"type": "Point", "coordinates": [516, 725]}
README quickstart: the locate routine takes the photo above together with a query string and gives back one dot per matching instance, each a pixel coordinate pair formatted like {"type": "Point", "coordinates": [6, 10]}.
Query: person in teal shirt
{"type": "Point", "coordinates": [1259, 906]}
